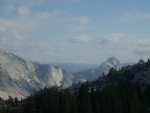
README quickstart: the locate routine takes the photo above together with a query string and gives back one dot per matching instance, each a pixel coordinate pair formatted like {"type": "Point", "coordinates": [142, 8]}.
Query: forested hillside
{"type": "Point", "coordinates": [118, 92]}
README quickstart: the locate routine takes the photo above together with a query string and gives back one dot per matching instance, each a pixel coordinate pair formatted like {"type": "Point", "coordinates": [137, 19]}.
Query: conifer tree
{"type": "Point", "coordinates": [94, 101]}
{"type": "Point", "coordinates": [84, 100]}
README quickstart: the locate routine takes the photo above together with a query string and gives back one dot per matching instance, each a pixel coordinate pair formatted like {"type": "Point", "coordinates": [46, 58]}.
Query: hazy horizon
{"type": "Point", "coordinates": [76, 31]}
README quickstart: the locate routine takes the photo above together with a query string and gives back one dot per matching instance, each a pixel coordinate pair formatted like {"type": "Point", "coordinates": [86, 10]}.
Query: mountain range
{"type": "Point", "coordinates": [135, 76]}
{"type": "Point", "coordinates": [103, 69]}
{"type": "Point", "coordinates": [74, 67]}
{"type": "Point", "coordinates": [20, 77]}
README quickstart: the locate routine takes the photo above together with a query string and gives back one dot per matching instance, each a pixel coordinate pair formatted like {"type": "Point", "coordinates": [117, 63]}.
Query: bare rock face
{"type": "Point", "coordinates": [19, 77]}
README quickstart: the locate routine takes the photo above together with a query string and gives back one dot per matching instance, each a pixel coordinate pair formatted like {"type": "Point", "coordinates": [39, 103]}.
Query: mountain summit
{"type": "Point", "coordinates": [92, 74]}
{"type": "Point", "coordinates": [111, 62]}
{"type": "Point", "coordinates": [114, 61]}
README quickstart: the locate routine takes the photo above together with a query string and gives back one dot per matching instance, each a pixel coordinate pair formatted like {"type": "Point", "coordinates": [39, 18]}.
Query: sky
{"type": "Point", "coordinates": [76, 31]}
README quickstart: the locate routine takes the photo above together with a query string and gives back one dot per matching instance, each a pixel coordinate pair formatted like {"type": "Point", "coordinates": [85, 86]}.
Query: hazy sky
{"type": "Point", "coordinates": [77, 31]}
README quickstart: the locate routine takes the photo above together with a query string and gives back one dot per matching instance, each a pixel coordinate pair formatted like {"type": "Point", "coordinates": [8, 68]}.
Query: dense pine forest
{"type": "Point", "coordinates": [114, 95]}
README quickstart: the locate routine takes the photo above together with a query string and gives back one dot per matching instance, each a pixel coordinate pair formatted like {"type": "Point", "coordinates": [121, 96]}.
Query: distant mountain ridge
{"type": "Point", "coordinates": [135, 76]}
{"type": "Point", "coordinates": [74, 67]}
{"type": "Point", "coordinates": [19, 77]}
{"type": "Point", "coordinates": [92, 74]}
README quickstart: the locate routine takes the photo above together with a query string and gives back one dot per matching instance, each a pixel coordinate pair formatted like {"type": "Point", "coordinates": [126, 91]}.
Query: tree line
{"type": "Point", "coordinates": [88, 98]}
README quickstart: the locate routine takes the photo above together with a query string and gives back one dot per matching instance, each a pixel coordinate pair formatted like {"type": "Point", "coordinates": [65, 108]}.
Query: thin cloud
{"type": "Point", "coordinates": [142, 52]}
{"type": "Point", "coordinates": [38, 2]}
{"type": "Point", "coordinates": [10, 8]}
{"type": "Point", "coordinates": [2, 28]}
{"type": "Point", "coordinates": [80, 39]}
{"type": "Point", "coordinates": [126, 14]}
{"type": "Point", "coordinates": [14, 32]}
{"type": "Point", "coordinates": [143, 43]}
{"type": "Point", "coordinates": [141, 16]}
{"type": "Point", "coordinates": [142, 48]}
{"type": "Point", "coordinates": [24, 11]}
{"type": "Point", "coordinates": [80, 24]}
{"type": "Point", "coordinates": [111, 39]}
{"type": "Point", "coordinates": [20, 25]}
{"type": "Point", "coordinates": [17, 32]}
{"type": "Point", "coordinates": [25, 2]}
{"type": "Point", "coordinates": [84, 20]}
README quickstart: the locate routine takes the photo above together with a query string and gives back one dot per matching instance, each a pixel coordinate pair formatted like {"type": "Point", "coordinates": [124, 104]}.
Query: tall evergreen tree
{"type": "Point", "coordinates": [84, 101]}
